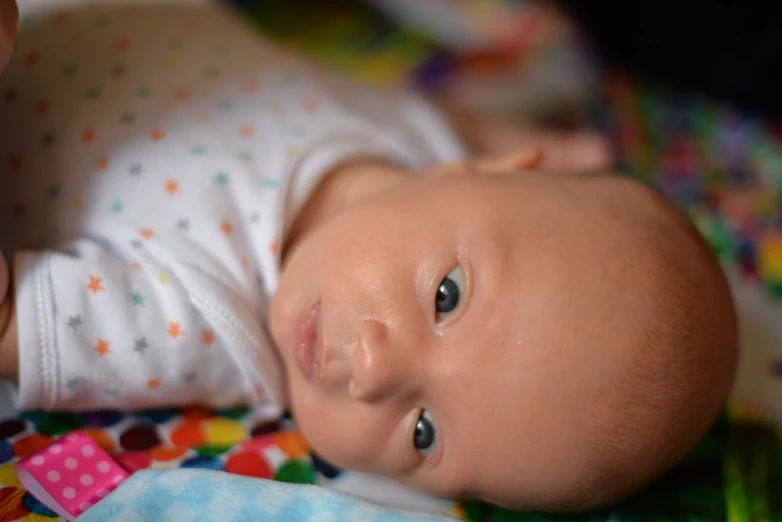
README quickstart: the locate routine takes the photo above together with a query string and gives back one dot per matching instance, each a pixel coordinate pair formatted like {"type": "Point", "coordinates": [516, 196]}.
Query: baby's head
{"type": "Point", "coordinates": [535, 340]}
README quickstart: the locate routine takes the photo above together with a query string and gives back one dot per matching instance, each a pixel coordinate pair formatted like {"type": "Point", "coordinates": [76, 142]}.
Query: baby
{"type": "Point", "coordinates": [193, 215]}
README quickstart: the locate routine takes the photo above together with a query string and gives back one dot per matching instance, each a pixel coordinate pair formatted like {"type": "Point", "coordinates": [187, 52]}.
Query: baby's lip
{"type": "Point", "coordinates": [309, 342]}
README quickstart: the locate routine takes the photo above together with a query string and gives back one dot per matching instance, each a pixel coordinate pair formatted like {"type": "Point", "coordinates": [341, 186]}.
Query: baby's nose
{"type": "Point", "coordinates": [377, 369]}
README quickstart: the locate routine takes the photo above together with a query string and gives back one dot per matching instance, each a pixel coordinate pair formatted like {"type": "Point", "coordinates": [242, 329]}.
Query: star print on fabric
{"type": "Point", "coordinates": [92, 93]}
{"type": "Point", "coordinates": [153, 384]}
{"type": "Point", "coordinates": [54, 192]}
{"type": "Point", "coordinates": [172, 187]}
{"type": "Point", "coordinates": [88, 136]}
{"type": "Point", "coordinates": [72, 384]}
{"type": "Point", "coordinates": [183, 224]}
{"type": "Point", "coordinates": [163, 278]}
{"type": "Point", "coordinates": [170, 64]}
{"type": "Point", "coordinates": [42, 107]}
{"type": "Point", "coordinates": [138, 299]}
{"type": "Point", "coordinates": [136, 244]}
{"type": "Point", "coordinates": [47, 140]}
{"type": "Point", "coordinates": [274, 246]}
{"type": "Point", "coordinates": [225, 105]}
{"type": "Point", "coordinates": [201, 119]}
{"type": "Point", "coordinates": [157, 135]}
{"type": "Point", "coordinates": [16, 162]}
{"type": "Point", "coordinates": [147, 233]}
{"type": "Point", "coordinates": [247, 131]}
{"type": "Point", "coordinates": [143, 92]}
{"type": "Point", "coordinates": [270, 183]}
{"type": "Point", "coordinates": [116, 207]}
{"type": "Point", "coordinates": [95, 284]}
{"type": "Point", "coordinates": [118, 71]}
{"type": "Point", "coordinates": [135, 170]}
{"type": "Point", "coordinates": [102, 348]}
{"type": "Point", "coordinates": [212, 71]}
{"type": "Point", "coordinates": [128, 118]}
{"type": "Point", "coordinates": [250, 85]}
{"type": "Point", "coordinates": [221, 178]}
{"type": "Point", "coordinates": [198, 150]}
{"type": "Point", "coordinates": [190, 377]}
{"type": "Point", "coordinates": [245, 156]}
{"type": "Point", "coordinates": [32, 59]}
{"type": "Point", "coordinates": [77, 201]}
{"type": "Point", "coordinates": [135, 265]}
{"type": "Point", "coordinates": [19, 210]}
{"type": "Point", "coordinates": [174, 330]}
{"type": "Point", "coordinates": [294, 152]}
{"type": "Point", "coordinates": [310, 105]}
{"type": "Point", "coordinates": [181, 94]}
{"type": "Point", "coordinates": [10, 96]}
{"type": "Point", "coordinates": [255, 218]}
{"type": "Point", "coordinates": [76, 38]}
{"type": "Point", "coordinates": [226, 227]}
{"type": "Point", "coordinates": [140, 345]}
{"type": "Point", "coordinates": [70, 71]}
{"type": "Point", "coordinates": [207, 337]}
{"type": "Point", "coordinates": [111, 393]}
{"type": "Point", "coordinates": [74, 322]}
{"type": "Point", "coordinates": [121, 44]}
{"type": "Point", "coordinates": [103, 163]}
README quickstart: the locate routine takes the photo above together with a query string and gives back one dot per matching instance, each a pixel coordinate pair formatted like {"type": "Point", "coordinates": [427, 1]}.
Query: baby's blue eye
{"type": "Point", "coordinates": [449, 293]}
{"type": "Point", "coordinates": [425, 434]}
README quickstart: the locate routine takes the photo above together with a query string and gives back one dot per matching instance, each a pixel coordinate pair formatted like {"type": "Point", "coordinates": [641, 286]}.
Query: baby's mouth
{"type": "Point", "coordinates": [309, 342]}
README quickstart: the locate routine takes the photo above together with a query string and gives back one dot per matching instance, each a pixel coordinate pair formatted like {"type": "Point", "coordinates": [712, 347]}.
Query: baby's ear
{"type": "Point", "coordinates": [510, 163]}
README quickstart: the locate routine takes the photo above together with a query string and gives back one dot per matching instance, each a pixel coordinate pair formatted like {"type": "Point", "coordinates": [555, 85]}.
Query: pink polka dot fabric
{"type": "Point", "coordinates": [70, 475]}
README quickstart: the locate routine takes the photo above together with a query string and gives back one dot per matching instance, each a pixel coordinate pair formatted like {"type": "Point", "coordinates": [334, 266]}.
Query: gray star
{"type": "Point", "coordinates": [190, 377]}
{"type": "Point", "coordinates": [135, 170]}
{"type": "Point", "coordinates": [245, 156]}
{"type": "Point", "coordinates": [137, 243]}
{"type": "Point", "coordinates": [118, 71]}
{"type": "Point", "coordinates": [141, 345]}
{"type": "Point", "coordinates": [128, 118]}
{"type": "Point", "coordinates": [47, 140]}
{"type": "Point", "coordinates": [183, 224]}
{"type": "Point", "coordinates": [212, 72]}
{"type": "Point", "coordinates": [255, 218]}
{"type": "Point", "coordinates": [74, 321]}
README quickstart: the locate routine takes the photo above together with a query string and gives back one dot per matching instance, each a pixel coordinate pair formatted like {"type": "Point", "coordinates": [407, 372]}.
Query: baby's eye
{"type": "Point", "coordinates": [449, 292]}
{"type": "Point", "coordinates": [425, 434]}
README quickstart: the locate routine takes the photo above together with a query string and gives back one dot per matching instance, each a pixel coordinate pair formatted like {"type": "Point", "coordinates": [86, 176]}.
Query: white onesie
{"type": "Point", "coordinates": [148, 155]}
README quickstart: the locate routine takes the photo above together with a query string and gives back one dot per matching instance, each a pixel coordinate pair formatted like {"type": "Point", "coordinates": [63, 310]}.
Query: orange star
{"type": "Point", "coordinates": [88, 136]}
{"type": "Point", "coordinates": [250, 85]}
{"type": "Point", "coordinates": [147, 233]}
{"type": "Point", "coordinates": [103, 163]}
{"type": "Point", "coordinates": [135, 265]}
{"type": "Point", "coordinates": [121, 44]}
{"type": "Point", "coordinates": [227, 228]}
{"type": "Point", "coordinates": [207, 337]}
{"type": "Point", "coordinates": [153, 384]}
{"type": "Point", "coordinates": [181, 95]}
{"type": "Point", "coordinates": [174, 329]}
{"type": "Point", "coordinates": [311, 105]}
{"type": "Point", "coordinates": [16, 162]}
{"type": "Point", "coordinates": [245, 261]}
{"type": "Point", "coordinates": [172, 187]}
{"type": "Point", "coordinates": [157, 135]}
{"type": "Point", "coordinates": [274, 247]}
{"type": "Point", "coordinates": [131, 12]}
{"type": "Point", "coordinates": [42, 107]}
{"type": "Point", "coordinates": [61, 17]}
{"type": "Point", "coordinates": [102, 347]}
{"type": "Point", "coordinates": [32, 59]}
{"type": "Point", "coordinates": [95, 284]}
{"type": "Point", "coordinates": [247, 131]}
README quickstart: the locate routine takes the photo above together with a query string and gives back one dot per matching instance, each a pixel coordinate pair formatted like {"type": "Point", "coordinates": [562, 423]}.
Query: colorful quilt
{"type": "Point", "coordinates": [735, 475]}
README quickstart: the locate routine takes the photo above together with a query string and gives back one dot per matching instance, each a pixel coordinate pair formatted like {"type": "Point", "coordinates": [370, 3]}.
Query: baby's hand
{"type": "Point", "coordinates": [9, 16]}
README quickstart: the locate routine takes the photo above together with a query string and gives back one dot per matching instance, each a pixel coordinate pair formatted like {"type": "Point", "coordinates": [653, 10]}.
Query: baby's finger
{"type": "Point", "coordinates": [9, 17]}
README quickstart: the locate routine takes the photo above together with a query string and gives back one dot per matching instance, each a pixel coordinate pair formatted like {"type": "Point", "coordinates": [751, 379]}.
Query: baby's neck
{"type": "Point", "coordinates": [345, 185]}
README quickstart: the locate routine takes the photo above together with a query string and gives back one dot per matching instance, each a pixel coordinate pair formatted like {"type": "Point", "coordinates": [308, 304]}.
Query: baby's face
{"type": "Point", "coordinates": [429, 333]}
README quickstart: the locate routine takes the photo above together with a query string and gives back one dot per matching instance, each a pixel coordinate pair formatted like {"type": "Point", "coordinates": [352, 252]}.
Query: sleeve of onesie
{"type": "Point", "coordinates": [103, 328]}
